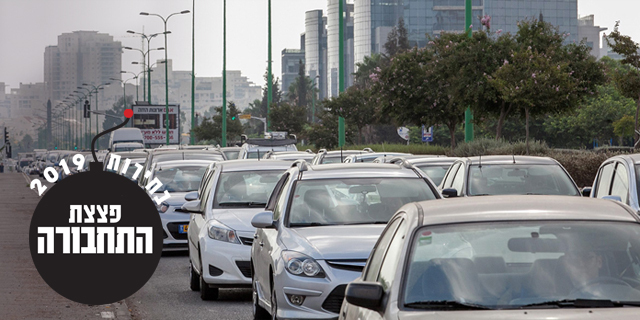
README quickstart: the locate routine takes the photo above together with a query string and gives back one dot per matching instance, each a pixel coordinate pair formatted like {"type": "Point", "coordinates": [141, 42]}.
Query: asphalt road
{"type": "Point", "coordinates": [167, 296]}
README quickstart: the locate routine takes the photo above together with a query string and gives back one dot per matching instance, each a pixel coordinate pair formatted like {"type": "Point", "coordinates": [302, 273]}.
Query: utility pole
{"type": "Point", "coordinates": [48, 123]}
{"type": "Point", "coordinates": [468, 116]}
{"type": "Point", "coordinates": [269, 75]}
{"type": "Point", "coordinates": [193, 71]}
{"type": "Point", "coordinates": [224, 75]}
{"type": "Point", "coordinates": [341, 134]}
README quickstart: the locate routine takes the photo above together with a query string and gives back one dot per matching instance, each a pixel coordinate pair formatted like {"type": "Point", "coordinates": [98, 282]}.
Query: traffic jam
{"type": "Point", "coordinates": [357, 234]}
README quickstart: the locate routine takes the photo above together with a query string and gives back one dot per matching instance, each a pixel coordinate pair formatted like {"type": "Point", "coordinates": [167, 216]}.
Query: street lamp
{"type": "Point", "coordinates": [124, 90]}
{"type": "Point", "coordinates": [135, 76]}
{"type": "Point", "coordinates": [147, 60]}
{"type": "Point", "coordinates": [148, 63]}
{"type": "Point", "coordinates": [166, 65]}
{"type": "Point", "coordinates": [95, 89]}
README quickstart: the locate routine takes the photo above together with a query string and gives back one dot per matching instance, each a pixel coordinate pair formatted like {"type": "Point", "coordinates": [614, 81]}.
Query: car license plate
{"type": "Point", "coordinates": [183, 228]}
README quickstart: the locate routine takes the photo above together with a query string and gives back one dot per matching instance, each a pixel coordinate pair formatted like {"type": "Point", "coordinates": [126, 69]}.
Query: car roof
{"type": "Point", "coordinates": [510, 159]}
{"type": "Point", "coordinates": [178, 163]}
{"type": "Point", "coordinates": [345, 153]}
{"type": "Point", "coordinates": [379, 154]}
{"type": "Point", "coordinates": [635, 158]}
{"type": "Point", "coordinates": [356, 170]}
{"type": "Point", "coordinates": [433, 161]}
{"type": "Point", "coordinates": [130, 154]}
{"type": "Point", "coordinates": [255, 165]}
{"type": "Point", "coordinates": [521, 208]}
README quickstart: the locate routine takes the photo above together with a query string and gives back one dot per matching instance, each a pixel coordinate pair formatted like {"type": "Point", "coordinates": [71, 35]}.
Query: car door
{"type": "Point", "coordinates": [620, 183]}
{"type": "Point", "coordinates": [267, 240]}
{"type": "Point", "coordinates": [199, 220]}
{"type": "Point", "coordinates": [374, 267]}
{"type": "Point", "coordinates": [603, 180]}
{"type": "Point", "coordinates": [458, 182]}
{"type": "Point", "coordinates": [448, 179]}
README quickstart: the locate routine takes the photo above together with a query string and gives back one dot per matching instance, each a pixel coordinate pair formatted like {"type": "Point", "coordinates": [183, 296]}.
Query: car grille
{"type": "Point", "coordinates": [350, 265]}
{"type": "Point", "coordinates": [334, 300]}
{"type": "Point", "coordinates": [173, 228]}
{"type": "Point", "coordinates": [164, 234]}
{"type": "Point", "coordinates": [246, 241]}
{"type": "Point", "coordinates": [245, 268]}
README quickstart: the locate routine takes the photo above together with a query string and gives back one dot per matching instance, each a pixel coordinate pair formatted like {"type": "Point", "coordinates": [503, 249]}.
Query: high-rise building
{"type": "Point", "coordinates": [315, 53]}
{"type": "Point", "coordinates": [590, 33]}
{"type": "Point", "coordinates": [291, 60]}
{"type": "Point", "coordinates": [373, 19]}
{"type": "Point", "coordinates": [80, 57]}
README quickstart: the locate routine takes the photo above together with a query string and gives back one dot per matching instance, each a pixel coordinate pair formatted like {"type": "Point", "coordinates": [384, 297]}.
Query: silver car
{"type": "Point", "coordinates": [617, 179]}
{"type": "Point", "coordinates": [433, 166]}
{"type": "Point", "coordinates": [502, 175]}
{"type": "Point", "coordinates": [503, 257]}
{"type": "Point", "coordinates": [220, 232]}
{"type": "Point", "coordinates": [321, 224]}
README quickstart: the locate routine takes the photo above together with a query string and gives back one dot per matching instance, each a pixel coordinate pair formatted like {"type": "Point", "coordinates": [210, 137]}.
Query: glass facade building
{"type": "Point", "coordinates": [333, 45]}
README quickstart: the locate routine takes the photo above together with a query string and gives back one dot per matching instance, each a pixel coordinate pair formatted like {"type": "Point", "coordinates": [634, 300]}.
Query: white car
{"type": "Point", "coordinates": [220, 232]}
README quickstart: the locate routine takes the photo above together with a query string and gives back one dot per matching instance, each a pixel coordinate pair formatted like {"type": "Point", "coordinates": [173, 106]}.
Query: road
{"type": "Point", "coordinates": [25, 295]}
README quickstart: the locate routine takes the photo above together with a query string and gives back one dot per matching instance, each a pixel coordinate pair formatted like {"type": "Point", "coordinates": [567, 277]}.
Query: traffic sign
{"type": "Point", "coordinates": [403, 132]}
{"type": "Point", "coordinates": [245, 116]}
{"type": "Point", "coordinates": [427, 135]}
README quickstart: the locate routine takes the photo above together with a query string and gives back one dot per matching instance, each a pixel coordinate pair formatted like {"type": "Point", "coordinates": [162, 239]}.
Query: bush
{"type": "Point", "coordinates": [482, 147]}
{"type": "Point", "coordinates": [583, 165]}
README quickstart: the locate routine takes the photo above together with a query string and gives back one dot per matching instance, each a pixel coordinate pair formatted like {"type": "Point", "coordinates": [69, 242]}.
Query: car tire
{"type": "Point", "coordinates": [259, 313]}
{"type": "Point", "coordinates": [194, 278]}
{"type": "Point", "coordinates": [207, 293]}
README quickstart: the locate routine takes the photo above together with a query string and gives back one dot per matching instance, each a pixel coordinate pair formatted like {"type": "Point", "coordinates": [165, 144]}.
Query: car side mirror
{"type": "Point", "coordinates": [365, 294]}
{"type": "Point", "coordinates": [586, 192]}
{"type": "Point", "coordinates": [614, 198]}
{"type": "Point", "coordinates": [263, 220]}
{"type": "Point", "coordinates": [191, 196]}
{"type": "Point", "coordinates": [192, 206]}
{"type": "Point", "coordinates": [450, 193]}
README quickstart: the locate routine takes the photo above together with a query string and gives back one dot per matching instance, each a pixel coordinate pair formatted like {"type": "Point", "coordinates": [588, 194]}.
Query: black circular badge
{"type": "Point", "coordinates": [96, 237]}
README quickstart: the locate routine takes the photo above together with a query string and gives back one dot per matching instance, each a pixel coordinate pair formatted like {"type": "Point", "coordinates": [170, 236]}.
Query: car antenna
{"type": "Point", "coordinates": [258, 154]}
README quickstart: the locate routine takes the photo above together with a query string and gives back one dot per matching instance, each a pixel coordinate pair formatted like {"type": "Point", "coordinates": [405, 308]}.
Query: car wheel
{"type": "Point", "coordinates": [259, 313]}
{"type": "Point", "coordinates": [274, 303]}
{"type": "Point", "coordinates": [207, 293]}
{"type": "Point", "coordinates": [194, 279]}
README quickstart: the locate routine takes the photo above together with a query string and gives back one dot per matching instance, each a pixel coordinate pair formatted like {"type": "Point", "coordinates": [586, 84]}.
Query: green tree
{"type": "Point", "coordinates": [288, 117]}
{"type": "Point", "coordinates": [624, 127]}
{"type": "Point", "coordinates": [211, 128]}
{"type": "Point", "coordinates": [323, 133]}
{"type": "Point", "coordinates": [628, 79]}
{"type": "Point", "coordinates": [355, 105]}
{"type": "Point", "coordinates": [397, 40]}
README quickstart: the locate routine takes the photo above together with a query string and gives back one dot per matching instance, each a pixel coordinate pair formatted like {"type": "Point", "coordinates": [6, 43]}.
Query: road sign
{"type": "Point", "coordinates": [245, 116]}
{"type": "Point", "coordinates": [427, 135]}
{"type": "Point", "coordinates": [403, 132]}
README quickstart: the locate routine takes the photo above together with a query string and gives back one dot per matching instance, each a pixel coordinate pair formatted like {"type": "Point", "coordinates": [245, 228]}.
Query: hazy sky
{"type": "Point", "coordinates": [28, 26]}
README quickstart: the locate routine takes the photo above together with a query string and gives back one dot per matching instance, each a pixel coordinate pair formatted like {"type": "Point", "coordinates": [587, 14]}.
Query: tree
{"type": "Point", "coordinates": [211, 128]}
{"type": "Point", "coordinates": [624, 127]}
{"type": "Point", "coordinates": [301, 92]}
{"type": "Point", "coordinates": [323, 133]}
{"type": "Point", "coordinates": [397, 40]}
{"type": "Point", "coordinates": [355, 106]}
{"type": "Point", "coordinates": [288, 117]}
{"type": "Point", "coordinates": [627, 80]}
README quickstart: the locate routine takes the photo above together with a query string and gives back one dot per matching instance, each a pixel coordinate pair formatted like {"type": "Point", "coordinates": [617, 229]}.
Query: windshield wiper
{"type": "Point", "coordinates": [582, 303]}
{"type": "Point", "coordinates": [242, 203]}
{"type": "Point", "coordinates": [446, 304]}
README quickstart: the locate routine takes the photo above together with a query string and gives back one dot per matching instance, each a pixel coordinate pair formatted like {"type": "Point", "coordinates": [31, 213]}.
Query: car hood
{"type": "Point", "coordinates": [333, 242]}
{"type": "Point", "coordinates": [528, 314]}
{"type": "Point", "coordinates": [238, 219]}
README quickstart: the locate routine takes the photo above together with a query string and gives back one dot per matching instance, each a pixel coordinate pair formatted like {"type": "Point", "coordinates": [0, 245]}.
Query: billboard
{"type": "Point", "coordinates": [150, 119]}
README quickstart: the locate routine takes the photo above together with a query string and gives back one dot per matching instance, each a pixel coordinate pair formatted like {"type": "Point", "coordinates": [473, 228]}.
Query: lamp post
{"type": "Point", "coordinates": [341, 133]}
{"type": "Point", "coordinates": [95, 90]}
{"type": "Point", "coordinates": [124, 90]}
{"type": "Point", "coordinates": [193, 70]}
{"type": "Point", "coordinates": [166, 64]}
{"type": "Point", "coordinates": [313, 99]}
{"type": "Point", "coordinates": [135, 76]}
{"type": "Point", "coordinates": [77, 116]}
{"type": "Point", "coordinates": [145, 56]}
{"type": "Point", "coordinates": [468, 115]}
{"type": "Point", "coordinates": [223, 140]}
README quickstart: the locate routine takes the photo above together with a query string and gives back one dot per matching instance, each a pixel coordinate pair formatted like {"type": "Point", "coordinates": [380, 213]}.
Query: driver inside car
{"type": "Point", "coordinates": [582, 267]}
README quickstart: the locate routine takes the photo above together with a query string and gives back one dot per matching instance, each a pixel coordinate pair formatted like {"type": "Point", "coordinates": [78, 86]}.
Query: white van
{"type": "Point", "coordinates": [123, 135]}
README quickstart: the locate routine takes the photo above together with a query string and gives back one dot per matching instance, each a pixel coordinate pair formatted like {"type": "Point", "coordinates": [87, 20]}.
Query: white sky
{"type": "Point", "coordinates": [28, 26]}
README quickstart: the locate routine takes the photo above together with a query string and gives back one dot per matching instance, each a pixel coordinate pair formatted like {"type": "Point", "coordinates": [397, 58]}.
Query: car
{"type": "Point", "coordinates": [501, 175]}
{"type": "Point", "coordinates": [336, 156]}
{"type": "Point", "coordinates": [124, 135]}
{"type": "Point", "coordinates": [131, 170]}
{"type": "Point", "coordinates": [319, 228]}
{"type": "Point", "coordinates": [617, 178]}
{"type": "Point", "coordinates": [433, 166]}
{"type": "Point", "coordinates": [306, 155]}
{"type": "Point", "coordinates": [169, 155]}
{"type": "Point", "coordinates": [370, 157]}
{"type": "Point", "coordinates": [502, 257]}
{"type": "Point", "coordinates": [231, 153]}
{"type": "Point", "coordinates": [220, 234]}
{"type": "Point", "coordinates": [123, 156]}
{"type": "Point", "coordinates": [179, 177]}
{"type": "Point", "coordinates": [256, 148]}
{"type": "Point", "coordinates": [51, 159]}
{"type": "Point", "coordinates": [24, 163]}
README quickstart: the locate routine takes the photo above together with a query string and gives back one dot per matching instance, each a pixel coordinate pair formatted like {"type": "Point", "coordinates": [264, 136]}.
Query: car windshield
{"type": "Point", "coordinates": [248, 189]}
{"type": "Point", "coordinates": [132, 168]}
{"type": "Point", "coordinates": [25, 163]}
{"type": "Point", "coordinates": [435, 172]}
{"type": "Point", "coordinates": [180, 179]}
{"type": "Point", "coordinates": [333, 159]}
{"type": "Point", "coordinates": [231, 154]}
{"type": "Point", "coordinates": [353, 201]}
{"type": "Point", "coordinates": [52, 157]}
{"type": "Point", "coordinates": [523, 264]}
{"type": "Point", "coordinates": [504, 179]}
{"type": "Point", "coordinates": [131, 148]}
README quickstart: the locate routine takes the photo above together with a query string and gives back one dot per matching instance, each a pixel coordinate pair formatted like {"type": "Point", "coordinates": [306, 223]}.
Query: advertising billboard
{"type": "Point", "coordinates": [150, 119]}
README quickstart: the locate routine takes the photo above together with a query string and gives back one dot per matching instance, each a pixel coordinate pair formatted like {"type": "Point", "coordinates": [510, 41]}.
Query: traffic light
{"type": "Point", "coordinates": [87, 108]}
{"type": "Point", "coordinates": [233, 118]}
{"type": "Point", "coordinates": [8, 150]}
{"type": "Point", "coordinates": [6, 135]}
{"type": "Point", "coordinates": [75, 148]}
{"type": "Point", "coordinates": [55, 148]}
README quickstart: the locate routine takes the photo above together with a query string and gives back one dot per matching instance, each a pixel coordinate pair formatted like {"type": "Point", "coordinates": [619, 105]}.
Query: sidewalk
{"type": "Point", "coordinates": [23, 293]}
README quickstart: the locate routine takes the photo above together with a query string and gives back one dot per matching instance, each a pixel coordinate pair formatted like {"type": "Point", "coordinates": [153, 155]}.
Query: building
{"type": "Point", "coordinates": [333, 44]}
{"type": "Point", "coordinates": [590, 34]}
{"type": "Point", "coordinates": [373, 20]}
{"type": "Point", "coordinates": [315, 53]}
{"type": "Point", "coordinates": [291, 61]}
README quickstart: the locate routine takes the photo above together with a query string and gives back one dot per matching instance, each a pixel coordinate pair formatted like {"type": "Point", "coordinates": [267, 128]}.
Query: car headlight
{"type": "Point", "coordinates": [163, 207]}
{"type": "Point", "coordinates": [220, 232]}
{"type": "Point", "coordinates": [300, 264]}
